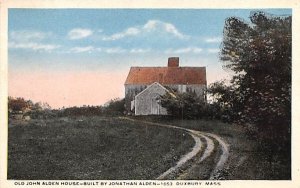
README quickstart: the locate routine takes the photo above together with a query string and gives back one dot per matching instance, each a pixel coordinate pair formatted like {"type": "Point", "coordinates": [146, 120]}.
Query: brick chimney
{"type": "Point", "coordinates": [173, 62]}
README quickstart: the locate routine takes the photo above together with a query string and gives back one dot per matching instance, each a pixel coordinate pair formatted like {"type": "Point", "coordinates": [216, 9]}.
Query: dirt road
{"type": "Point", "coordinates": [204, 149]}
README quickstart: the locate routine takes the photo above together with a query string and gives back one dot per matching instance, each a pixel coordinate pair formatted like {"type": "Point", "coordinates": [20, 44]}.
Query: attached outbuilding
{"type": "Point", "coordinates": [148, 101]}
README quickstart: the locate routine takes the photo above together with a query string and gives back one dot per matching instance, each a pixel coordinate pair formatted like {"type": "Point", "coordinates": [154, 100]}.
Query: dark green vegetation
{"type": "Point", "coordinates": [41, 110]}
{"type": "Point", "coordinates": [92, 148]}
{"type": "Point", "coordinates": [247, 159]}
{"type": "Point", "coordinates": [184, 105]}
{"type": "Point", "coordinates": [260, 55]}
{"type": "Point", "coordinates": [259, 96]}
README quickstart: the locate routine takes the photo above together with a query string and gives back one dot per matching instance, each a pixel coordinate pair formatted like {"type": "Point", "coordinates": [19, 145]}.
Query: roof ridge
{"type": "Point", "coordinates": [166, 75]}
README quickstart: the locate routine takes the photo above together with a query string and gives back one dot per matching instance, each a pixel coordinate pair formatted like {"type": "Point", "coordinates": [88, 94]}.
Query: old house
{"type": "Point", "coordinates": [144, 85]}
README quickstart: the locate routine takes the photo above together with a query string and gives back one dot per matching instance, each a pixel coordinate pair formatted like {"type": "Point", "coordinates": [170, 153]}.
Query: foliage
{"type": "Point", "coordinates": [183, 105]}
{"type": "Point", "coordinates": [225, 101]}
{"type": "Point", "coordinates": [115, 106]}
{"type": "Point", "coordinates": [41, 110]}
{"type": "Point", "coordinates": [260, 55]}
{"type": "Point", "coordinates": [20, 104]}
{"type": "Point", "coordinates": [79, 111]}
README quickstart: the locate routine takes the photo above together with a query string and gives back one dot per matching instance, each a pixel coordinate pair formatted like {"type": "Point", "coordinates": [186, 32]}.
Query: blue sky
{"type": "Point", "coordinates": [80, 35]}
{"type": "Point", "coordinates": [106, 40]}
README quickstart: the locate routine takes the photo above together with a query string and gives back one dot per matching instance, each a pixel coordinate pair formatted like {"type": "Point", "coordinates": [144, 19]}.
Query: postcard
{"type": "Point", "coordinates": [136, 93]}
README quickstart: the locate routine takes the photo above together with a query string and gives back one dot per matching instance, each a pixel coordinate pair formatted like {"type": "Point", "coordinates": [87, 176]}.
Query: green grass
{"type": "Point", "coordinates": [111, 148]}
{"type": "Point", "coordinates": [92, 148]}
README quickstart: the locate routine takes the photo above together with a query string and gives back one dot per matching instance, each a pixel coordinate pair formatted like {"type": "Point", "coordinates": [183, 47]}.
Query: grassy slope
{"type": "Point", "coordinates": [95, 148]}
{"type": "Point", "coordinates": [246, 161]}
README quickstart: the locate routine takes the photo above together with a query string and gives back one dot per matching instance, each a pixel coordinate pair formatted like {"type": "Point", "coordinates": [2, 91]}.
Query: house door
{"type": "Point", "coordinates": [154, 107]}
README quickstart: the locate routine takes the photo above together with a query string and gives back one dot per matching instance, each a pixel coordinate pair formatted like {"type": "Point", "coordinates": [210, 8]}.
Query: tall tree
{"type": "Point", "coordinates": [259, 53]}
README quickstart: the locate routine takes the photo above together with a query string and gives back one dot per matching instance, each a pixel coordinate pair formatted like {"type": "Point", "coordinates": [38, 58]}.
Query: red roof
{"type": "Point", "coordinates": [166, 75]}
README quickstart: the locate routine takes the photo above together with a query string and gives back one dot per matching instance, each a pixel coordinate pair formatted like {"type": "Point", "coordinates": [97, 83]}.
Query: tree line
{"type": "Point", "coordinates": [43, 110]}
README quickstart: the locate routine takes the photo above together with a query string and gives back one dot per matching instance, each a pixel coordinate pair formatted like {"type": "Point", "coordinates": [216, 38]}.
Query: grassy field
{"type": "Point", "coordinates": [111, 148]}
{"type": "Point", "coordinates": [92, 148]}
{"type": "Point", "coordinates": [247, 161]}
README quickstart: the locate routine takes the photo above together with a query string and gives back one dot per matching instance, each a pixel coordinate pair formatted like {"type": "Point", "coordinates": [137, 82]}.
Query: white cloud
{"type": "Point", "coordinates": [139, 50]}
{"type": "Point", "coordinates": [114, 50]}
{"type": "Point", "coordinates": [98, 49]}
{"type": "Point", "coordinates": [150, 26]}
{"type": "Point", "coordinates": [27, 35]}
{"type": "Point", "coordinates": [128, 32]}
{"type": "Point", "coordinates": [213, 50]}
{"type": "Point", "coordinates": [197, 50]}
{"type": "Point", "coordinates": [172, 29]}
{"type": "Point", "coordinates": [82, 49]}
{"type": "Point", "coordinates": [184, 50]}
{"type": "Point", "coordinates": [33, 46]}
{"type": "Point", "coordinates": [158, 25]}
{"type": "Point", "coordinates": [89, 49]}
{"type": "Point", "coordinates": [79, 33]}
{"type": "Point", "coordinates": [213, 39]}
{"type": "Point", "coordinates": [30, 40]}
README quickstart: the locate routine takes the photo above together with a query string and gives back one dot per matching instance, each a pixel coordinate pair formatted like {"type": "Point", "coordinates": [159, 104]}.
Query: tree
{"type": "Point", "coordinates": [17, 104]}
{"type": "Point", "coordinates": [183, 105]}
{"type": "Point", "coordinates": [115, 107]}
{"type": "Point", "coordinates": [259, 53]}
{"type": "Point", "coordinates": [226, 101]}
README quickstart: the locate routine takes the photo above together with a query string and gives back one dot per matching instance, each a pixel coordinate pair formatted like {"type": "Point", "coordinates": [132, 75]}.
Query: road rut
{"type": "Point", "coordinates": [198, 147]}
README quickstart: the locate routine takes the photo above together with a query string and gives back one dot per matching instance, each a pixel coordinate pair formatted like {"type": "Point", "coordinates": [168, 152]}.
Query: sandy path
{"type": "Point", "coordinates": [209, 148]}
{"type": "Point", "coordinates": [223, 157]}
{"type": "Point", "coordinates": [196, 149]}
